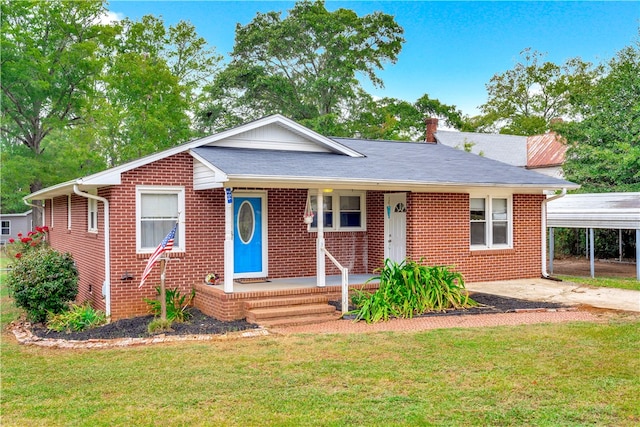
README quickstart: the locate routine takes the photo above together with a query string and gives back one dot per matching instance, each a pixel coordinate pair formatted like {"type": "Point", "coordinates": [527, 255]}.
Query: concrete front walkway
{"type": "Point", "coordinates": [539, 289]}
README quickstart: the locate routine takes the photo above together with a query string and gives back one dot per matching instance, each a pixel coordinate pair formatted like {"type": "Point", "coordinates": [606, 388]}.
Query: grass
{"type": "Point", "coordinates": [606, 282]}
{"type": "Point", "coordinates": [562, 374]}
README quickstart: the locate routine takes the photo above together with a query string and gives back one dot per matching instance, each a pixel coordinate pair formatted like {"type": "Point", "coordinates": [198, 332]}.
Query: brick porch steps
{"type": "Point", "coordinates": [290, 311]}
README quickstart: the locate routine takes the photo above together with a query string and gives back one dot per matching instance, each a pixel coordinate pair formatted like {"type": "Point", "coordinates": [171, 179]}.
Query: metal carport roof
{"type": "Point", "coordinates": [601, 210]}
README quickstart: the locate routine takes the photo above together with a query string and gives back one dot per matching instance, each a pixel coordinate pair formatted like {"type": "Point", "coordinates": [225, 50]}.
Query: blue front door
{"type": "Point", "coordinates": [248, 237]}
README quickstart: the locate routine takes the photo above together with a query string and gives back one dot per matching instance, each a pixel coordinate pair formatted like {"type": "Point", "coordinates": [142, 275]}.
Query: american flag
{"type": "Point", "coordinates": [165, 246]}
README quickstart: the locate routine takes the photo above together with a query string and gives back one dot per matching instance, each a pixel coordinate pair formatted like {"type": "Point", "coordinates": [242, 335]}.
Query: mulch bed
{"type": "Point", "coordinates": [136, 327]}
{"type": "Point", "coordinates": [201, 324]}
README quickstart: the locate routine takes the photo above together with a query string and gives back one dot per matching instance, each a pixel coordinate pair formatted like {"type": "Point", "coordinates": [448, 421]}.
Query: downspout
{"type": "Point", "coordinates": [41, 208]}
{"type": "Point", "coordinates": [106, 285]}
{"type": "Point", "coordinates": [545, 274]}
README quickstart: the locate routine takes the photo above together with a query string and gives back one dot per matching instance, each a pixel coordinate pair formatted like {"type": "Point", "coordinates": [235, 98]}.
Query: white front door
{"type": "Point", "coordinates": [395, 226]}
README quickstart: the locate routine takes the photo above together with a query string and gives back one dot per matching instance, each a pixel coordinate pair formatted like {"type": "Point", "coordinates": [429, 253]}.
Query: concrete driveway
{"type": "Point", "coordinates": [561, 292]}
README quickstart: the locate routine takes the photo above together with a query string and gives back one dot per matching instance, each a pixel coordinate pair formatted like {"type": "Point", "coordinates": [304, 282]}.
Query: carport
{"type": "Point", "coordinates": [620, 211]}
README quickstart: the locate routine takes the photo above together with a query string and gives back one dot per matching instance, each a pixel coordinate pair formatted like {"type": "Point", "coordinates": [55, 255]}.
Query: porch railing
{"type": "Point", "coordinates": [345, 280]}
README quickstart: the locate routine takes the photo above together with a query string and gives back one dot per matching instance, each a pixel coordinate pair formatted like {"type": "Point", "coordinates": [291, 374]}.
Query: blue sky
{"type": "Point", "coordinates": [452, 49]}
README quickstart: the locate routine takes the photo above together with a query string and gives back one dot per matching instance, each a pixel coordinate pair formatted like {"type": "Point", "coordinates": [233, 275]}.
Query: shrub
{"type": "Point", "coordinates": [43, 281]}
{"type": "Point", "coordinates": [409, 288]}
{"type": "Point", "coordinates": [176, 304]}
{"type": "Point", "coordinates": [33, 241]}
{"type": "Point", "coordinates": [78, 318]}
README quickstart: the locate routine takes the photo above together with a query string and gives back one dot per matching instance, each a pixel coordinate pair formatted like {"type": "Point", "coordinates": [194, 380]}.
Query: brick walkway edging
{"type": "Point", "coordinates": [24, 336]}
{"type": "Point", "coordinates": [444, 322]}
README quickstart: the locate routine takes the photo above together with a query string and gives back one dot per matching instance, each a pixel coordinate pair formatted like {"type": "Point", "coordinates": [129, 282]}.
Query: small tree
{"type": "Point", "coordinates": [42, 282]}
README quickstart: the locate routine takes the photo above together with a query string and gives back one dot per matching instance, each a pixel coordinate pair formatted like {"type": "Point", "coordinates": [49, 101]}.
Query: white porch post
{"type": "Point", "coordinates": [320, 270]}
{"type": "Point", "coordinates": [228, 241]}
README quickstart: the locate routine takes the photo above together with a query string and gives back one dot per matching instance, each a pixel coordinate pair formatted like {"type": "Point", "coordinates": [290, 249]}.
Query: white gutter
{"type": "Point", "coordinates": [106, 285]}
{"type": "Point", "coordinates": [40, 208]}
{"type": "Point", "coordinates": [545, 274]}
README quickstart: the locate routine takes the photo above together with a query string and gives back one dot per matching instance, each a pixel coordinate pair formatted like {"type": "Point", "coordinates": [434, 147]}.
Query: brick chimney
{"type": "Point", "coordinates": [432, 128]}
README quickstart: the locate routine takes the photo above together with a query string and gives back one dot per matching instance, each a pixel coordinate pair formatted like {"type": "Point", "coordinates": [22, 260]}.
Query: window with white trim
{"type": "Point", "coordinates": [92, 213]}
{"type": "Point", "coordinates": [5, 228]}
{"type": "Point", "coordinates": [343, 211]}
{"type": "Point", "coordinates": [157, 211]}
{"type": "Point", "coordinates": [491, 222]}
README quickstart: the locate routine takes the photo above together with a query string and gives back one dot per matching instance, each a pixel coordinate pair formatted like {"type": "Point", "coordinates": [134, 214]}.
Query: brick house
{"type": "Point", "coordinates": [240, 196]}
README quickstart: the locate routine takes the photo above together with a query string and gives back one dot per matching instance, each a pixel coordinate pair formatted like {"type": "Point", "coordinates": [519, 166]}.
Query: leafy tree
{"type": "Point", "coordinates": [49, 62]}
{"type": "Point", "coordinates": [79, 96]}
{"type": "Point", "coordinates": [452, 116]}
{"type": "Point", "coordinates": [524, 100]}
{"type": "Point", "coordinates": [604, 147]}
{"type": "Point", "coordinates": [395, 119]}
{"type": "Point", "coordinates": [303, 66]}
{"type": "Point", "coordinates": [150, 89]}
{"type": "Point", "coordinates": [144, 109]}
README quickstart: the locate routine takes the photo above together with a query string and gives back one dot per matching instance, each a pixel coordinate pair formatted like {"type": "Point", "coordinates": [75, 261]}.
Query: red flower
{"type": "Point", "coordinates": [18, 255]}
{"type": "Point", "coordinates": [39, 229]}
{"type": "Point", "coordinates": [11, 240]}
{"type": "Point", "coordinates": [19, 234]}
{"type": "Point", "coordinates": [45, 229]}
{"type": "Point", "coordinates": [34, 244]}
{"type": "Point", "coordinates": [31, 233]}
{"type": "Point", "coordinates": [26, 239]}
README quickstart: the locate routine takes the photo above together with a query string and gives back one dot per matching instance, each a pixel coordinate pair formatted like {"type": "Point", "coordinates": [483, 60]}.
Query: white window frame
{"type": "Point", "coordinates": [488, 229]}
{"type": "Point", "coordinates": [335, 207]}
{"type": "Point", "coordinates": [69, 212]}
{"type": "Point", "coordinates": [92, 212]}
{"type": "Point", "coordinates": [51, 210]}
{"type": "Point", "coordinates": [179, 246]}
{"type": "Point", "coordinates": [8, 227]}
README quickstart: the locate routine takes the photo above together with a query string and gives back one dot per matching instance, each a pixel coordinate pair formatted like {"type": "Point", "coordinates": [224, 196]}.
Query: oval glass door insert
{"type": "Point", "coordinates": [246, 222]}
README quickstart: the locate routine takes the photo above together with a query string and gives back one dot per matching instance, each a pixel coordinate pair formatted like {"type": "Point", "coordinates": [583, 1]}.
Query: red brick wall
{"type": "Point", "coordinates": [375, 230]}
{"type": "Point", "coordinates": [87, 248]}
{"type": "Point", "coordinates": [204, 235]}
{"type": "Point", "coordinates": [437, 228]}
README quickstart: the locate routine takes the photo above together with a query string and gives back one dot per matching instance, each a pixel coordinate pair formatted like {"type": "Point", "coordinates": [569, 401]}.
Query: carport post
{"type": "Point", "coordinates": [637, 253]}
{"type": "Point", "coordinates": [586, 243]}
{"type": "Point", "coordinates": [551, 248]}
{"type": "Point", "coordinates": [592, 253]}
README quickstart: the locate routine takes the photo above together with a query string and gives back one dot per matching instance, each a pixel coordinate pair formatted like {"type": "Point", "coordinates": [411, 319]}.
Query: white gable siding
{"type": "Point", "coordinates": [271, 137]}
{"type": "Point", "coordinates": [205, 178]}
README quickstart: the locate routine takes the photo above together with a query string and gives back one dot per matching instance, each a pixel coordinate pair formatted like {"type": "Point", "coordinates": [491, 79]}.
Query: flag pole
{"type": "Point", "coordinates": [163, 294]}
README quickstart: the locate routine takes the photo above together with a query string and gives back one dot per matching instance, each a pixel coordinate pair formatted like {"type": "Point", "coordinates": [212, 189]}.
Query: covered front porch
{"type": "Point", "coordinates": [294, 300]}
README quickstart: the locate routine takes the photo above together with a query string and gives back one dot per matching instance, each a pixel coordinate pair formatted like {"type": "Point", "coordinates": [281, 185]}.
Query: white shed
{"type": "Point", "coordinates": [619, 211]}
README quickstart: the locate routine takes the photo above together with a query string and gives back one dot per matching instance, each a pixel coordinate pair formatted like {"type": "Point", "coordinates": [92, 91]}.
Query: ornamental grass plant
{"type": "Point", "coordinates": [411, 288]}
{"type": "Point", "coordinates": [77, 318]}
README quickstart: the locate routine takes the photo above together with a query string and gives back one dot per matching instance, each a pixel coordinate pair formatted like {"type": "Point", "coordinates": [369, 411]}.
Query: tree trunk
{"type": "Point", "coordinates": [38, 213]}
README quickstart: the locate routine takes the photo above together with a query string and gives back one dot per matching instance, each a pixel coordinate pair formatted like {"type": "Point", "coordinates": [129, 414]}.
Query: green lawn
{"type": "Point", "coordinates": [606, 282]}
{"type": "Point", "coordinates": [548, 375]}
